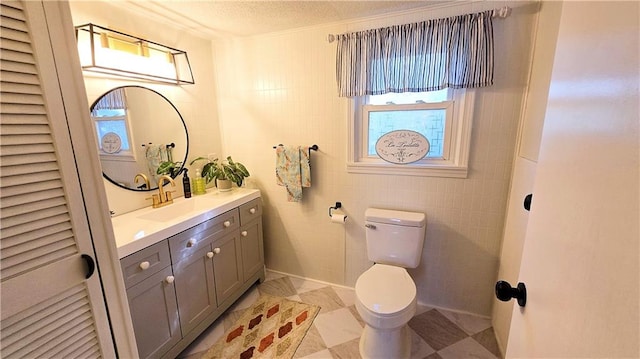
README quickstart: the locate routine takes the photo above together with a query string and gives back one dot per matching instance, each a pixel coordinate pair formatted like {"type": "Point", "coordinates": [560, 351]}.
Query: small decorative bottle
{"type": "Point", "coordinates": [199, 186]}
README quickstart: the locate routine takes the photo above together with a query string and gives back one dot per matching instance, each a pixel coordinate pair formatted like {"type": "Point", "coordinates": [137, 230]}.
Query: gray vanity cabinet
{"type": "Point", "coordinates": [152, 299]}
{"type": "Point", "coordinates": [179, 286]}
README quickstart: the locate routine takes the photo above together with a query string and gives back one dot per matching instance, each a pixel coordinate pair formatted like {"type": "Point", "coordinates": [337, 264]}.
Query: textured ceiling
{"type": "Point", "coordinates": [213, 18]}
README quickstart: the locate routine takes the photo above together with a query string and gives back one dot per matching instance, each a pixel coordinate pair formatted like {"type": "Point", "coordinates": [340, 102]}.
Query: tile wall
{"type": "Point", "coordinates": [280, 88]}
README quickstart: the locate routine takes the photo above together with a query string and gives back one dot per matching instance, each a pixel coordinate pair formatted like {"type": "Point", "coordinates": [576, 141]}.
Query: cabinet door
{"type": "Point", "coordinates": [227, 265]}
{"type": "Point", "coordinates": [195, 288]}
{"type": "Point", "coordinates": [251, 248]}
{"type": "Point", "coordinates": [154, 313]}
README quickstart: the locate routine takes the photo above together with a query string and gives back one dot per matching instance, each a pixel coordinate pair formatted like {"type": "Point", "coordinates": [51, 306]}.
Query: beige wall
{"type": "Point", "coordinates": [196, 103]}
{"type": "Point", "coordinates": [280, 88]}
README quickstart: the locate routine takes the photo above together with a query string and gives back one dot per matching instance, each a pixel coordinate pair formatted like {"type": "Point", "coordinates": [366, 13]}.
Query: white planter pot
{"type": "Point", "coordinates": [223, 185]}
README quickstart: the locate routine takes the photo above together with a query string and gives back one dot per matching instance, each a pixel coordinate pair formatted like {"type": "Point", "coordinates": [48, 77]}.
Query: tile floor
{"type": "Point", "coordinates": [335, 333]}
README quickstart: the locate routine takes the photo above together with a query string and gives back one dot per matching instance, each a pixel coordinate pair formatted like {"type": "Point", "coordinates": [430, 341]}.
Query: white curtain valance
{"type": "Point", "coordinates": [455, 52]}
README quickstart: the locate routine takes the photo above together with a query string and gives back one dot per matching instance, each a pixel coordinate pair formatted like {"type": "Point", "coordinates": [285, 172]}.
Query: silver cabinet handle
{"type": "Point", "coordinates": [191, 242]}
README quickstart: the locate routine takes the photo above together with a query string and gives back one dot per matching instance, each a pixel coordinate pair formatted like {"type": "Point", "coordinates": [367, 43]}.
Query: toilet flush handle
{"type": "Point", "coordinates": [370, 226]}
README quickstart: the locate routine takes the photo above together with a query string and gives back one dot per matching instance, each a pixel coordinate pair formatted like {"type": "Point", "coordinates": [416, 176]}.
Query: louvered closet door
{"type": "Point", "coordinates": [49, 309]}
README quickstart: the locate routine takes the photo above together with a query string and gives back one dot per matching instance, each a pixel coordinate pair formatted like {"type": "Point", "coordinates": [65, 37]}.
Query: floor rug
{"type": "Point", "coordinates": [272, 328]}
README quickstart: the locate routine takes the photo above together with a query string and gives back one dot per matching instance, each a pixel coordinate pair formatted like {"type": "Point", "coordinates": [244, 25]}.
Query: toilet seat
{"type": "Point", "coordinates": [385, 289]}
{"type": "Point", "coordinates": [385, 296]}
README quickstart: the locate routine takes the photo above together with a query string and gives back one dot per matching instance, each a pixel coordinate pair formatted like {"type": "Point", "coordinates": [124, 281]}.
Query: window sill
{"type": "Point", "coordinates": [122, 158]}
{"type": "Point", "coordinates": [448, 171]}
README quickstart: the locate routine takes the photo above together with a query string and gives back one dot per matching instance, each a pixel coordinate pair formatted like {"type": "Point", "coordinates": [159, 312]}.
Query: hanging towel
{"type": "Point", "coordinates": [305, 167]}
{"type": "Point", "coordinates": [155, 155]}
{"type": "Point", "coordinates": [293, 170]}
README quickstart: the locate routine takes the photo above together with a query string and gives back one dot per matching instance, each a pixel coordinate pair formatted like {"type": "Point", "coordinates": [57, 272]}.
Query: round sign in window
{"type": "Point", "coordinates": [111, 142]}
{"type": "Point", "coordinates": [402, 146]}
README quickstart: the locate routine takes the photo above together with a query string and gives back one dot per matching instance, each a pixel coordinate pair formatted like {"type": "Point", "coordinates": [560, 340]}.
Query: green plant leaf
{"type": "Point", "coordinates": [230, 174]}
{"type": "Point", "coordinates": [208, 171]}
{"type": "Point", "coordinates": [166, 167]}
{"type": "Point", "coordinates": [242, 169]}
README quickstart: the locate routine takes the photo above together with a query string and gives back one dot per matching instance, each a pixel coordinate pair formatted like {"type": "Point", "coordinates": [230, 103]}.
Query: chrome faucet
{"type": "Point", "coordinates": [163, 197]}
{"type": "Point", "coordinates": [144, 178]}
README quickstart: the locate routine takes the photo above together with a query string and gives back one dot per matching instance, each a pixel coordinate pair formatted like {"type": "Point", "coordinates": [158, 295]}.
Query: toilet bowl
{"type": "Point", "coordinates": [386, 301]}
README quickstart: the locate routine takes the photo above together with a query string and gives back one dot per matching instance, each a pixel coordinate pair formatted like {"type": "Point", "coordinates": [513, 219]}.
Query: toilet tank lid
{"type": "Point", "coordinates": [402, 218]}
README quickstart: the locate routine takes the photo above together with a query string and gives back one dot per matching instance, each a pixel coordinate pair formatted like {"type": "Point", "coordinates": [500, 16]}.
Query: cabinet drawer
{"type": "Point", "coordinates": [250, 211]}
{"type": "Point", "coordinates": [144, 263]}
{"type": "Point", "coordinates": [186, 243]}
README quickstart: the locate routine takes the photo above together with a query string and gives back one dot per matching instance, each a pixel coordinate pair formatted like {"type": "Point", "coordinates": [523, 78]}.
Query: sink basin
{"type": "Point", "coordinates": [169, 212]}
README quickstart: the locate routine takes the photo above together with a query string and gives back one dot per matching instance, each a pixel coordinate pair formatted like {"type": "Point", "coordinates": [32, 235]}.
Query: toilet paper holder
{"type": "Point", "coordinates": [338, 205]}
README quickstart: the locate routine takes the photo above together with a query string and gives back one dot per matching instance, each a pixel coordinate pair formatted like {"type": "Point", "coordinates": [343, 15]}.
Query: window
{"type": "Point", "coordinates": [443, 117]}
{"type": "Point", "coordinates": [109, 122]}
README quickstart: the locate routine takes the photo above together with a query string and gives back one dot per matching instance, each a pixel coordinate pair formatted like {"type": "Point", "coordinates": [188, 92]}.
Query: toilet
{"type": "Point", "coordinates": [385, 293]}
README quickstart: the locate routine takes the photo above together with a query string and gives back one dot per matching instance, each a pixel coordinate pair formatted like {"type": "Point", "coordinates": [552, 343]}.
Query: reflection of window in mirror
{"type": "Point", "coordinates": [112, 129]}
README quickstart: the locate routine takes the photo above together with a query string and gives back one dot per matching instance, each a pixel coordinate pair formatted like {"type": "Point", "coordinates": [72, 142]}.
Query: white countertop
{"type": "Point", "coordinates": [139, 229]}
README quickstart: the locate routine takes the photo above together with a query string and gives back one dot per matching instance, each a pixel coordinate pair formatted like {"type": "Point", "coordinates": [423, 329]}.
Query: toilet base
{"type": "Point", "coordinates": [385, 343]}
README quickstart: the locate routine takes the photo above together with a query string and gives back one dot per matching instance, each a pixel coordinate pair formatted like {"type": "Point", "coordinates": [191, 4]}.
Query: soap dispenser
{"type": "Point", "coordinates": [199, 186]}
{"type": "Point", "coordinates": [186, 184]}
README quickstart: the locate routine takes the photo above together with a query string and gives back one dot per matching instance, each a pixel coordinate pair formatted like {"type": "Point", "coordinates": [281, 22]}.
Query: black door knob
{"type": "Point", "coordinates": [505, 292]}
{"type": "Point", "coordinates": [91, 265]}
{"type": "Point", "coordinates": [527, 201]}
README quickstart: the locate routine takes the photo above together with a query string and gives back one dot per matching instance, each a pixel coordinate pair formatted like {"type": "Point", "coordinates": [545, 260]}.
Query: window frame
{"type": "Point", "coordinates": [455, 165]}
{"type": "Point", "coordinates": [124, 155]}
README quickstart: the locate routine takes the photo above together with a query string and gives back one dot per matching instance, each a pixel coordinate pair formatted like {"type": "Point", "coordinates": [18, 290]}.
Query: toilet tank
{"type": "Point", "coordinates": [395, 237]}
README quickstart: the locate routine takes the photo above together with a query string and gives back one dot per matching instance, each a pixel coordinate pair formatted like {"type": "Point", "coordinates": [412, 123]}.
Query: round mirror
{"type": "Point", "coordinates": [141, 136]}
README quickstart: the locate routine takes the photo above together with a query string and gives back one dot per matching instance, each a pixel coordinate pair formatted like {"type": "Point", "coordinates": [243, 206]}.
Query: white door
{"type": "Point", "coordinates": [581, 252]}
{"type": "Point", "coordinates": [51, 306]}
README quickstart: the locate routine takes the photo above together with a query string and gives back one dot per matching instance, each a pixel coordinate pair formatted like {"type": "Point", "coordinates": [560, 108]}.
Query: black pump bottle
{"type": "Point", "coordinates": [186, 184]}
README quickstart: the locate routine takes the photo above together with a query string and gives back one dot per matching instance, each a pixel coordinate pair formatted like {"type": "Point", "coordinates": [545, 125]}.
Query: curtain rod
{"type": "Point", "coordinates": [500, 13]}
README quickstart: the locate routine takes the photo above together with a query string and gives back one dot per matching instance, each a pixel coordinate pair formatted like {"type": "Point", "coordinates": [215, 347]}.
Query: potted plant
{"type": "Point", "coordinates": [224, 172]}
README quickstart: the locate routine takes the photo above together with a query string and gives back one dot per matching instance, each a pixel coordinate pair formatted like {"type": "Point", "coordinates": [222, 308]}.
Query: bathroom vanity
{"type": "Point", "coordinates": [186, 263]}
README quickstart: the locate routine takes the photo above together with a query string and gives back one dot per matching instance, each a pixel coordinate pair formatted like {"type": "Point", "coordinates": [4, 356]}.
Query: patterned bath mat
{"type": "Point", "coordinates": [272, 328]}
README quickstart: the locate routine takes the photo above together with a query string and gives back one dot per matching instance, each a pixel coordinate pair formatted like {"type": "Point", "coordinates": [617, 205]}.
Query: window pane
{"type": "Point", "coordinates": [117, 126]}
{"type": "Point", "coordinates": [430, 123]}
{"type": "Point", "coordinates": [114, 112]}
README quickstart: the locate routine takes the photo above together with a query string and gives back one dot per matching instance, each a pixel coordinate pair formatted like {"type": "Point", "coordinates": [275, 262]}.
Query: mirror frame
{"type": "Point", "coordinates": [186, 154]}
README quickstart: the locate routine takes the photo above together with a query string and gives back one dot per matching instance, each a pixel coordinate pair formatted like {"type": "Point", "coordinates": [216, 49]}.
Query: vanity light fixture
{"type": "Point", "coordinates": [112, 52]}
